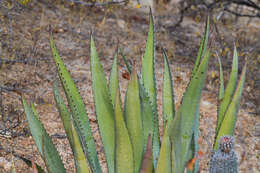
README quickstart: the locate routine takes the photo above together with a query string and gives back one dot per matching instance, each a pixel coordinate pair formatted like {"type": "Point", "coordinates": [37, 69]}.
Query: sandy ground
{"type": "Point", "coordinates": [24, 39]}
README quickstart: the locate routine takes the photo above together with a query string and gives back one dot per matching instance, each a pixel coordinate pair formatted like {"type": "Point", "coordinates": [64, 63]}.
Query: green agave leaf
{"type": "Point", "coordinates": [231, 86]}
{"type": "Point", "coordinates": [81, 163]}
{"type": "Point", "coordinates": [186, 116]}
{"type": "Point", "coordinates": [221, 87]}
{"type": "Point", "coordinates": [196, 149]}
{"type": "Point", "coordinates": [113, 80]}
{"type": "Point", "coordinates": [124, 150]}
{"type": "Point", "coordinates": [228, 124]}
{"type": "Point", "coordinates": [194, 146]}
{"type": "Point", "coordinates": [148, 112]}
{"type": "Point", "coordinates": [164, 160]}
{"type": "Point", "coordinates": [173, 160]}
{"type": "Point", "coordinates": [148, 73]}
{"type": "Point", "coordinates": [174, 131]}
{"type": "Point", "coordinates": [29, 163]}
{"type": "Point", "coordinates": [50, 156]}
{"type": "Point", "coordinates": [128, 65]}
{"type": "Point", "coordinates": [104, 107]}
{"type": "Point", "coordinates": [193, 151]}
{"type": "Point", "coordinates": [45, 152]}
{"type": "Point", "coordinates": [168, 93]}
{"type": "Point", "coordinates": [78, 110]}
{"type": "Point", "coordinates": [63, 112]}
{"type": "Point", "coordinates": [203, 48]}
{"type": "Point", "coordinates": [133, 119]}
{"type": "Point", "coordinates": [148, 77]}
{"type": "Point", "coordinates": [147, 163]}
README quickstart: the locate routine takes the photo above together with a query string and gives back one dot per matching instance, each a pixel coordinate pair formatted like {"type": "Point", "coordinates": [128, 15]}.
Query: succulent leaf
{"type": "Point", "coordinates": [194, 146]}
{"type": "Point", "coordinates": [147, 114]}
{"type": "Point", "coordinates": [183, 124]}
{"type": "Point", "coordinates": [203, 47]}
{"type": "Point", "coordinates": [193, 163]}
{"type": "Point", "coordinates": [128, 65]}
{"type": "Point", "coordinates": [149, 105]}
{"type": "Point", "coordinates": [148, 76]}
{"type": "Point", "coordinates": [103, 106]}
{"type": "Point", "coordinates": [168, 93]}
{"type": "Point", "coordinates": [227, 126]}
{"type": "Point", "coordinates": [173, 160]}
{"type": "Point", "coordinates": [113, 80]}
{"type": "Point", "coordinates": [81, 163]}
{"type": "Point", "coordinates": [124, 148]}
{"type": "Point", "coordinates": [164, 160]}
{"type": "Point", "coordinates": [50, 155]}
{"type": "Point", "coordinates": [231, 86]}
{"type": "Point", "coordinates": [63, 112]}
{"type": "Point", "coordinates": [221, 87]}
{"type": "Point", "coordinates": [133, 119]}
{"type": "Point", "coordinates": [78, 110]}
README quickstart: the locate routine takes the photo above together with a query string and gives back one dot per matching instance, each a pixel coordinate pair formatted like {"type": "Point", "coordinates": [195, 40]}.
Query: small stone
{"type": "Point", "coordinates": [121, 23]}
{"type": "Point", "coordinates": [257, 146]}
{"type": "Point", "coordinates": [5, 164]}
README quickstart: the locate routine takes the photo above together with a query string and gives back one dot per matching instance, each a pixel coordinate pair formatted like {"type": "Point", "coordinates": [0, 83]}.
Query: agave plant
{"type": "Point", "coordinates": [224, 158]}
{"type": "Point", "coordinates": [129, 133]}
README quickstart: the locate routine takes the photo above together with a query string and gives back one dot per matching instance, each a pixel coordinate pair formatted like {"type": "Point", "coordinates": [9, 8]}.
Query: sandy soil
{"type": "Point", "coordinates": [28, 68]}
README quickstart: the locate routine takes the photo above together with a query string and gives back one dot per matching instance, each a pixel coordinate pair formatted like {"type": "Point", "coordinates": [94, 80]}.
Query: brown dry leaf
{"type": "Point", "coordinates": [147, 163]}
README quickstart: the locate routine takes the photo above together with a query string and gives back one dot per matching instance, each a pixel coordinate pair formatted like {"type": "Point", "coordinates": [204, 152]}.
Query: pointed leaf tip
{"type": "Point", "coordinates": [113, 80]}
{"type": "Point", "coordinates": [227, 126]}
{"type": "Point", "coordinates": [229, 91]}
{"type": "Point", "coordinates": [78, 110]}
{"type": "Point", "coordinates": [133, 117]}
{"type": "Point", "coordinates": [168, 93]}
{"type": "Point", "coordinates": [104, 107]}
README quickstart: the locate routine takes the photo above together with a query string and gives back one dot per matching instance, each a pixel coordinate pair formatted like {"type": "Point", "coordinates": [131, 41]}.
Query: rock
{"type": "Point", "coordinates": [143, 5]}
{"type": "Point", "coordinates": [5, 164]}
{"type": "Point", "coordinates": [121, 23]}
